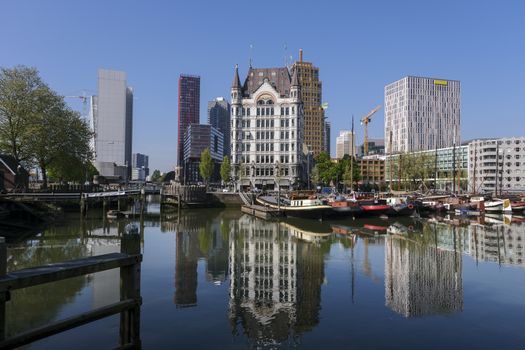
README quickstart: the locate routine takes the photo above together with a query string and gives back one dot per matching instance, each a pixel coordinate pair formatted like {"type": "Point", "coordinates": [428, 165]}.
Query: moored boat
{"type": "Point", "coordinates": [400, 206]}
{"type": "Point", "coordinates": [309, 207]}
{"type": "Point", "coordinates": [343, 207]}
{"type": "Point", "coordinates": [498, 206]}
{"type": "Point", "coordinates": [374, 207]}
{"type": "Point", "coordinates": [518, 206]}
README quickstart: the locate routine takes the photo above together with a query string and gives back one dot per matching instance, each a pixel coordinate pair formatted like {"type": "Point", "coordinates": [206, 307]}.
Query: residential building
{"type": "Point", "coordinates": [197, 138]}
{"type": "Point", "coordinates": [497, 165]}
{"type": "Point", "coordinates": [112, 112]}
{"type": "Point", "coordinates": [372, 170]}
{"type": "Point", "coordinates": [345, 144]}
{"type": "Point", "coordinates": [219, 118]}
{"type": "Point", "coordinates": [375, 147]}
{"type": "Point", "coordinates": [312, 96]}
{"type": "Point", "coordinates": [12, 174]}
{"type": "Point", "coordinates": [327, 139]}
{"type": "Point", "coordinates": [189, 109]}
{"type": "Point", "coordinates": [498, 243]}
{"type": "Point", "coordinates": [449, 164]}
{"type": "Point", "coordinates": [140, 161]}
{"type": "Point", "coordinates": [267, 128]}
{"type": "Point", "coordinates": [421, 114]}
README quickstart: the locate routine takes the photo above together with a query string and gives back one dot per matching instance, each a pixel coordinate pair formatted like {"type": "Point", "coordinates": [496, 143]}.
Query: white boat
{"type": "Point", "coordinates": [498, 206]}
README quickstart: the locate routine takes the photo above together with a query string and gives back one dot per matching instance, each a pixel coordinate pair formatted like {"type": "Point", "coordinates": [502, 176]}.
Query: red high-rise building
{"type": "Point", "coordinates": [189, 100]}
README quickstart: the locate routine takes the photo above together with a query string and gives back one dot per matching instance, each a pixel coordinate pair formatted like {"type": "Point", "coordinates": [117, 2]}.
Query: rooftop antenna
{"type": "Point", "coordinates": [251, 54]}
{"type": "Point", "coordinates": [285, 54]}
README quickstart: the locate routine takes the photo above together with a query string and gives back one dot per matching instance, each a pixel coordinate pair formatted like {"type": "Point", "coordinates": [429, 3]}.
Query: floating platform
{"type": "Point", "coordinates": [262, 212]}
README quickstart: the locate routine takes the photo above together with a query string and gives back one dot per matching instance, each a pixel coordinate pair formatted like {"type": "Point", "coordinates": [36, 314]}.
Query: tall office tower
{"type": "Point", "coordinates": [189, 99]}
{"type": "Point", "coordinates": [311, 95]}
{"type": "Point", "coordinates": [345, 144]}
{"type": "Point", "coordinates": [113, 123]}
{"type": "Point", "coordinates": [267, 128]}
{"type": "Point", "coordinates": [421, 114]}
{"type": "Point", "coordinates": [327, 139]}
{"type": "Point", "coordinates": [139, 167]}
{"type": "Point", "coordinates": [197, 138]}
{"type": "Point", "coordinates": [219, 118]}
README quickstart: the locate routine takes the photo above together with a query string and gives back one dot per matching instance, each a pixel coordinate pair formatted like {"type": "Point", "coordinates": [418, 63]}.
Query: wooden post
{"type": "Point", "coordinates": [3, 294]}
{"type": "Point", "coordinates": [130, 289]}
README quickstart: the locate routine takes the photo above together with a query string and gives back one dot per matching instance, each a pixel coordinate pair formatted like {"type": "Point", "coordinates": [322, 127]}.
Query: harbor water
{"type": "Point", "coordinates": [220, 279]}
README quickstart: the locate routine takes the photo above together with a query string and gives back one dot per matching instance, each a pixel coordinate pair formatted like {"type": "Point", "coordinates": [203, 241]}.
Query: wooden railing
{"type": "Point", "coordinates": [128, 260]}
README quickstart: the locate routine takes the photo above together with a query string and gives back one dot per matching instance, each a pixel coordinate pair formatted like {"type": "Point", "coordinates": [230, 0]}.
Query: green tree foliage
{"type": "Point", "coordinates": [21, 91]}
{"type": "Point", "coordinates": [155, 175]}
{"type": "Point", "coordinates": [206, 166]}
{"type": "Point", "coordinates": [37, 127]}
{"type": "Point", "coordinates": [327, 171]}
{"type": "Point", "coordinates": [226, 170]}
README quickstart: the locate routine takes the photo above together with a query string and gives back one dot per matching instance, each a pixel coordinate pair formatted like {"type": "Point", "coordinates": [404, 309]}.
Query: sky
{"type": "Point", "coordinates": [359, 46]}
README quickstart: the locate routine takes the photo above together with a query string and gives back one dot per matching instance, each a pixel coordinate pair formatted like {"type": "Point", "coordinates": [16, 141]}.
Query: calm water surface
{"type": "Point", "coordinates": [221, 279]}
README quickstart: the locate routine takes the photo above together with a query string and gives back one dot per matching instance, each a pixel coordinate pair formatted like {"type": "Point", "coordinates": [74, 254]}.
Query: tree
{"type": "Point", "coordinates": [21, 91]}
{"type": "Point", "coordinates": [155, 175]}
{"type": "Point", "coordinates": [226, 170]}
{"type": "Point", "coordinates": [206, 166]}
{"type": "Point", "coordinates": [73, 159]}
{"type": "Point", "coordinates": [58, 134]}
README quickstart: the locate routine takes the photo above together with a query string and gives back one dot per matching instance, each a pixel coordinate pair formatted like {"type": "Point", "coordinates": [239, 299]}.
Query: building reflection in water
{"type": "Point", "coordinates": [500, 241]}
{"type": "Point", "coordinates": [275, 281]}
{"type": "Point", "coordinates": [198, 238]}
{"type": "Point", "coordinates": [422, 277]}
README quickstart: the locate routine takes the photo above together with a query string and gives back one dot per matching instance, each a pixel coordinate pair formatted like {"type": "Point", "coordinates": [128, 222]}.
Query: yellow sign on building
{"type": "Point", "coordinates": [440, 82]}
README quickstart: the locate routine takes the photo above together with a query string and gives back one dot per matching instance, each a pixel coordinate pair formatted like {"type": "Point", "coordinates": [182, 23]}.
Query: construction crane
{"type": "Point", "coordinates": [364, 121]}
{"type": "Point", "coordinates": [84, 100]}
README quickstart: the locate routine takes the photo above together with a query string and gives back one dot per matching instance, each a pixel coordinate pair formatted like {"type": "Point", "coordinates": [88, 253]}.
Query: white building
{"type": "Point", "coordinates": [345, 144]}
{"type": "Point", "coordinates": [112, 112]}
{"type": "Point", "coordinates": [421, 114]}
{"type": "Point", "coordinates": [267, 128]}
{"type": "Point", "coordinates": [505, 157]}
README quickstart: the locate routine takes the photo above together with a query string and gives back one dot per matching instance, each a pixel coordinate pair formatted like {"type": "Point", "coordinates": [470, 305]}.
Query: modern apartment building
{"type": "Point", "coordinates": [112, 120]}
{"type": "Point", "coordinates": [421, 114]}
{"type": "Point", "coordinates": [345, 144]}
{"type": "Point", "coordinates": [189, 109]}
{"type": "Point", "coordinates": [449, 164]}
{"type": "Point", "coordinates": [311, 95]}
{"type": "Point", "coordinates": [497, 165]}
{"type": "Point", "coordinates": [197, 138]}
{"type": "Point", "coordinates": [219, 118]}
{"type": "Point", "coordinates": [267, 128]}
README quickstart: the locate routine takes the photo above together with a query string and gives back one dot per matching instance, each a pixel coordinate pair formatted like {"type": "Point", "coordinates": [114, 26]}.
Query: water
{"type": "Point", "coordinates": [221, 279]}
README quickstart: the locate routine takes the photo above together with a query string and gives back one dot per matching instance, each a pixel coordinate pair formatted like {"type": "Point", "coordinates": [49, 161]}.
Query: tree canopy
{"type": "Point", "coordinates": [206, 166]}
{"type": "Point", "coordinates": [38, 128]}
{"type": "Point", "coordinates": [226, 170]}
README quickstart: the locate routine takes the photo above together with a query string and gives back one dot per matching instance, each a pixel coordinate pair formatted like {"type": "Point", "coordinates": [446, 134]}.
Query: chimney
{"type": "Point", "coordinates": [300, 55]}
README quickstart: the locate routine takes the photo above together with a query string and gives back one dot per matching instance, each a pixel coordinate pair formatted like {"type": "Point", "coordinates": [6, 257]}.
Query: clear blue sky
{"type": "Point", "coordinates": [359, 46]}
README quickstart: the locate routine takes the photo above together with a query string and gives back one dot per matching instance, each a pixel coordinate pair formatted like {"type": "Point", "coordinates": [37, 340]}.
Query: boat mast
{"type": "Point", "coordinates": [475, 167]}
{"type": "Point", "coordinates": [352, 159]}
{"type": "Point", "coordinates": [390, 160]}
{"type": "Point", "coordinates": [454, 164]}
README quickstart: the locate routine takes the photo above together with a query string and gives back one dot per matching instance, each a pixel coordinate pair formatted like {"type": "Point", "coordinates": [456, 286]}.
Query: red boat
{"type": "Point", "coordinates": [518, 206]}
{"type": "Point", "coordinates": [374, 207]}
